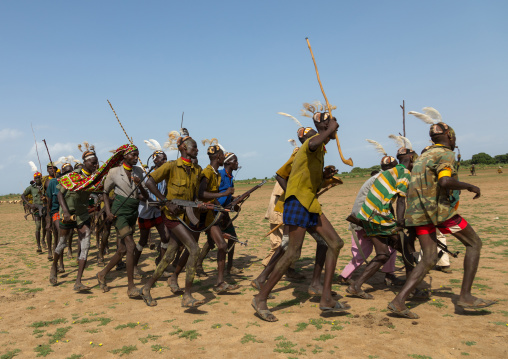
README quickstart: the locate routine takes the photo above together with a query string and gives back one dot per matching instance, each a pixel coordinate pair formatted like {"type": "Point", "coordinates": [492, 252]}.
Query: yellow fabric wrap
{"type": "Point", "coordinates": [446, 172]}
{"type": "Point", "coordinates": [284, 172]}
{"type": "Point", "coordinates": [307, 176]}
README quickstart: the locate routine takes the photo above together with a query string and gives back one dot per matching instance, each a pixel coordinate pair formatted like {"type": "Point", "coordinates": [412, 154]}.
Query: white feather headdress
{"type": "Point", "coordinates": [170, 144]}
{"type": "Point", "coordinates": [291, 117]}
{"type": "Point", "coordinates": [154, 145]}
{"type": "Point", "coordinates": [33, 167]}
{"type": "Point", "coordinates": [66, 159]}
{"type": "Point", "coordinates": [292, 142]}
{"type": "Point", "coordinates": [379, 148]}
{"type": "Point", "coordinates": [430, 116]}
{"type": "Point", "coordinates": [401, 141]}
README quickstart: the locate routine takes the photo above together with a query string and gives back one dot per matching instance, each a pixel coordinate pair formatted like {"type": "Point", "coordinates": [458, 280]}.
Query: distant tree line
{"type": "Point", "coordinates": [483, 158]}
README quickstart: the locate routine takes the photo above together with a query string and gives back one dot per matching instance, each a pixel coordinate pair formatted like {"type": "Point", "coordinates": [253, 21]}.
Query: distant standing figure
{"type": "Point", "coordinates": [473, 170]}
{"type": "Point", "coordinates": [500, 170]}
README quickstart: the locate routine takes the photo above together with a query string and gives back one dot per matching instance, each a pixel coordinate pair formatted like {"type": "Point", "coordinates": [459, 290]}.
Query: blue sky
{"type": "Point", "coordinates": [231, 66]}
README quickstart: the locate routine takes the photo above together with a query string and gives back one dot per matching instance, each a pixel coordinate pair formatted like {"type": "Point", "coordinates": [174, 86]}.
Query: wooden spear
{"type": "Point", "coordinates": [349, 161]}
{"type": "Point", "coordinates": [126, 135]}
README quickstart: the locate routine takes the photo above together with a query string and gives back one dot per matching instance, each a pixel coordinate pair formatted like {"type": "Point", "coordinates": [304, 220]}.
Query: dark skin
{"type": "Point", "coordinates": [428, 243]}
{"type": "Point", "coordinates": [126, 245]}
{"type": "Point", "coordinates": [38, 182]}
{"type": "Point", "coordinates": [321, 250]}
{"type": "Point", "coordinates": [159, 160]}
{"type": "Point", "coordinates": [380, 245]}
{"type": "Point", "coordinates": [215, 232]}
{"type": "Point", "coordinates": [52, 226]}
{"type": "Point", "coordinates": [326, 130]}
{"type": "Point", "coordinates": [90, 166]}
{"type": "Point", "coordinates": [189, 149]}
{"type": "Point", "coordinates": [230, 166]}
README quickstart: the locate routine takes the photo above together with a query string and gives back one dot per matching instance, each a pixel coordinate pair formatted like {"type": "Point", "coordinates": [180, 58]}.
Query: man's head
{"type": "Point", "coordinates": [305, 133]}
{"type": "Point", "coordinates": [443, 134]}
{"type": "Point", "coordinates": [159, 158]}
{"type": "Point", "coordinates": [406, 157]}
{"type": "Point", "coordinates": [388, 162]}
{"type": "Point", "coordinates": [131, 157]}
{"type": "Point", "coordinates": [66, 168]}
{"type": "Point", "coordinates": [38, 178]}
{"type": "Point", "coordinates": [51, 168]}
{"type": "Point", "coordinates": [231, 161]}
{"type": "Point", "coordinates": [322, 121]}
{"type": "Point", "coordinates": [90, 163]}
{"type": "Point", "coordinates": [188, 147]}
{"type": "Point", "coordinates": [215, 153]}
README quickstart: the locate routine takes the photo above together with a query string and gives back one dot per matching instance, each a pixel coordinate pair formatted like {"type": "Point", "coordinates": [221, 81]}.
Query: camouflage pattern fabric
{"type": "Point", "coordinates": [426, 202]}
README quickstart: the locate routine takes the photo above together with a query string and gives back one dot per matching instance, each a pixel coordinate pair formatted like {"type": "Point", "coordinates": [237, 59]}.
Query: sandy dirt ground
{"type": "Point", "coordinates": [37, 319]}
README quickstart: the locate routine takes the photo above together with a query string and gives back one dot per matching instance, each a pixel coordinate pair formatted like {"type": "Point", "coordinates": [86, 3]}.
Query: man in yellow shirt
{"type": "Point", "coordinates": [181, 177]}
{"type": "Point", "coordinates": [209, 191]}
{"type": "Point", "coordinates": [302, 212]}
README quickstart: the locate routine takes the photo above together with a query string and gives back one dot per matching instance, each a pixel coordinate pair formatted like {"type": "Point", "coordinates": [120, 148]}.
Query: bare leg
{"type": "Point", "coordinates": [219, 241]}
{"type": "Point", "coordinates": [296, 236]}
{"type": "Point", "coordinates": [192, 248]}
{"type": "Point", "coordinates": [84, 236]}
{"type": "Point", "coordinates": [38, 233]}
{"type": "Point", "coordinates": [382, 256]}
{"type": "Point", "coordinates": [473, 244]}
{"type": "Point", "coordinates": [63, 234]}
{"type": "Point", "coordinates": [428, 261]}
{"type": "Point", "coordinates": [334, 243]}
{"type": "Point", "coordinates": [69, 248]}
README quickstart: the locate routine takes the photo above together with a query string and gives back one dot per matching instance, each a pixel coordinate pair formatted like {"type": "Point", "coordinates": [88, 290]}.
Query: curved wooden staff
{"type": "Point", "coordinates": [349, 161]}
{"type": "Point", "coordinates": [126, 135]}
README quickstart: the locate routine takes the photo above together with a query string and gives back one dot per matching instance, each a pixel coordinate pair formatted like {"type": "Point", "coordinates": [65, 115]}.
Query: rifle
{"type": "Point", "coordinates": [238, 201]}
{"type": "Point", "coordinates": [189, 205]}
{"type": "Point", "coordinates": [234, 239]}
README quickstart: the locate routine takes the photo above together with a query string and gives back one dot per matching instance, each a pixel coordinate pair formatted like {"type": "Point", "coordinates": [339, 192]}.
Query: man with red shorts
{"type": "Point", "coordinates": [433, 178]}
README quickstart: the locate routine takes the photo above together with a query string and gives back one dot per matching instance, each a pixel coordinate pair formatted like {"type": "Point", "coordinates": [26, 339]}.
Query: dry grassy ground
{"type": "Point", "coordinates": [38, 319]}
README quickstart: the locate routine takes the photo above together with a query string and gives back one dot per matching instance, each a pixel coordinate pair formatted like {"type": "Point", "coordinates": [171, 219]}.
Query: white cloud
{"type": "Point", "coordinates": [10, 134]}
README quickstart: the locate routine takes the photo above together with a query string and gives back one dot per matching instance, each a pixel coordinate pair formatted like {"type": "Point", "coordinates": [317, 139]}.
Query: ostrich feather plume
{"type": "Point", "coordinates": [398, 141]}
{"type": "Point", "coordinates": [433, 113]}
{"type": "Point", "coordinates": [291, 117]}
{"type": "Point", "coordinates": [379, 148]}
{"type": "Point", "coordinates": [153, 145]}
{"type": "Point", "coordinates": [401, 141]}
{"type": "Point", "coordinates": [211, 142]}
{"type": "Point", "coordinates": [425, 118]}
{"type": "Point", "coordinates": [407, 143]}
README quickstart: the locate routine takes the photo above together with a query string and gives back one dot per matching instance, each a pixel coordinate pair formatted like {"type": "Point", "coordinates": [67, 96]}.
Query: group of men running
{"type": "Point", "coordinates": [164, 196]}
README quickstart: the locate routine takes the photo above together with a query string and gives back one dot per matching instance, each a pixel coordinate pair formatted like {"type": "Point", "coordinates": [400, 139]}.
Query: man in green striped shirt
{"type": "Point", "coordinates": [377, 217]}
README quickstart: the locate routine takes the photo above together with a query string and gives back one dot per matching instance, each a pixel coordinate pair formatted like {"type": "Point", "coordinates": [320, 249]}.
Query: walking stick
{"type": "Point", "coordinates": [349, 161]}
{"type": "Point", "coordinates": [273, 230]}
{"type": "Point", "coordinates": [126, 135]}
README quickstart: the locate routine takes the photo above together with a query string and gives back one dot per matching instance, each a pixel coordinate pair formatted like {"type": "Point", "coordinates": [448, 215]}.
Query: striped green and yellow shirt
{"type": "Point", "coordinates": [383, 193]}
